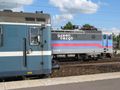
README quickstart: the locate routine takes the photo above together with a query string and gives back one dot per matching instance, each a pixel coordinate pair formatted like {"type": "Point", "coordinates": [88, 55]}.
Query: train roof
{"type": "Point", "coordinates": [77, 31]}
{"type": "Point", "coordinates": [24, 17]}
{"type": "Point", "coordinates": [106, 32]}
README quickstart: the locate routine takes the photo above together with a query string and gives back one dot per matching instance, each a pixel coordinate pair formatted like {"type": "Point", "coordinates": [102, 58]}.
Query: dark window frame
{"type": "Point", "coordinates": [104, 36]}
{"type": "Point", "coordinates": [29, 18]}
{"type": "Point", "coordinates": [93, 36]}
{"type": "Point", "coordinates": [40, 20]}
{"type": "Point", "coordinates": [33, 39]}
{"type": "Point", "coordinates": [110, 37]}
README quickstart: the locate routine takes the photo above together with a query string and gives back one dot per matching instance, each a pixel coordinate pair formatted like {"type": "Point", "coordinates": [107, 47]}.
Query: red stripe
{"type": "Point", "coordinates": [76, 45]}
{"type": "Point", "coordinates": [83, 44]}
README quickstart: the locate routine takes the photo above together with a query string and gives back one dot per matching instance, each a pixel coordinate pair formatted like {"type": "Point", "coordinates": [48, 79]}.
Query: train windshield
{"type": "Point", "coordinates": [110, 37]}
{"type": "Point", "coordinates": [104, 36]}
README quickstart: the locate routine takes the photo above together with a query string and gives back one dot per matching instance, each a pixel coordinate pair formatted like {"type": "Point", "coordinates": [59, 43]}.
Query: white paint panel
{"type": "Point", "coordinates": [73, 51]}
{"type": "Point", "coordinates": [37, 53]}
{"type": "Point", "coordinates": [20, 53]}
{"type": "Point", "coordinates": [29, 24]}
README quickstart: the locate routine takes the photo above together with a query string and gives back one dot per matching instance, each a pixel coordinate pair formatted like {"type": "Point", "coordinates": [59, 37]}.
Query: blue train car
{"type": "Point", "coordinates": [25, 47]}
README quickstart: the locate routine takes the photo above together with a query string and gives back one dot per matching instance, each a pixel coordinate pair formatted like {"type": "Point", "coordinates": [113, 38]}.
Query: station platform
{"type": "Point", "coordinates": [57, 81]}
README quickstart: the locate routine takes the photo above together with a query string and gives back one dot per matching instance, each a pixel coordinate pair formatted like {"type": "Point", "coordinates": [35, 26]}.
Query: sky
{"type": "Point", "coordinates": [103, 14]}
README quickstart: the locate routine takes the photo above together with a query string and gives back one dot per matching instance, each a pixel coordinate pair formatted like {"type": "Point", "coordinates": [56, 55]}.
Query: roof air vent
{"type": "Point", "coordinates": [39, 12]}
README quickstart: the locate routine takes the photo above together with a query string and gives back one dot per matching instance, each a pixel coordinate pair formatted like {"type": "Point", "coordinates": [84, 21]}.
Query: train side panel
{"type": "Point", "coordinates": [76, 43]}
{"type": "Point", "coordinates": [13, 61]}
{"type": "Point", "coordinates": [25, 44]}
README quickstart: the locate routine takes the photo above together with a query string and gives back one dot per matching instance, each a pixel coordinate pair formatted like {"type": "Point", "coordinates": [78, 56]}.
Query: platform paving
{"type": "Point", "coordinates": [57, 81]}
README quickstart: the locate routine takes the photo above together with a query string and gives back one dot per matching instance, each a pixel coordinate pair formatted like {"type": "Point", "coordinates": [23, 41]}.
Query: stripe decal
{"type": "Point", "coordinates": [29, 24]}
{"type": "Point", "coordinates": [20, 53]}
{"type": "Point", "coordinates": [79, 45]}
{"type": "Point", "coordinates": [37, 53]}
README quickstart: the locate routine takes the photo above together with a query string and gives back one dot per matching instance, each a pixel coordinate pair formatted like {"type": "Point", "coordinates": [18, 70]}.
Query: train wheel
{"type": "Point", "coordinates": [84, 57]}
{"type": "Point", "coordinates": [95, 58]}
{"type": "Point", "coordinates": [108, 55]}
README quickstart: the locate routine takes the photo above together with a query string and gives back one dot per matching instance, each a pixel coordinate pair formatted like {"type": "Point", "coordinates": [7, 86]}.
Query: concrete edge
{"type": "Point", "coordinates": [57, 81]}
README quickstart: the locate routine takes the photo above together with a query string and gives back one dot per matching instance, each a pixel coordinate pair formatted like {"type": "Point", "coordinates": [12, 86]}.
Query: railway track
{"type": "Point", "coordinates": [90, 62]}
{"type": "Point", "coordinates": [90, 67]}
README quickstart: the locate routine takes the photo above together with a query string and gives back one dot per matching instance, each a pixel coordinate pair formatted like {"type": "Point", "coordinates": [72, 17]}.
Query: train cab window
{"type": "Point", "coordinates": [40, 19]}
{"type": "Point", "coordinates": [1, 37]}
{"type": "Point", "coordinates": [104, 36]}
{"type": "Point", "coordinates": [29, 19]}
{"type": "Point", "coordinates": [93, 37]}
{"type": "Point", "coordinates": [110, 37]}
{"type": "Point", "coordinates": [34, 36]}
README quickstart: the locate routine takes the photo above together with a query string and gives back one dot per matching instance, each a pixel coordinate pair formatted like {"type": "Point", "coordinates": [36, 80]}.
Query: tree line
{"type": "Point", "coordinates": [70, 26]}
{"type": "Point", "coordinates": [116, 41]}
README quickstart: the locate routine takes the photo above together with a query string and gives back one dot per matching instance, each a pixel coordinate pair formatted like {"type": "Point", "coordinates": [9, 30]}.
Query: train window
{"type": "Point", "coordinates": [34, 36]}
{"type": "Point", "coordinates": [40, 19]}
{"type": "Point", "coordinates": [110, 37]}
{"type": "Point", "coordinates": [104, 37]}
{"type": "Point", "coordinates": [93, 36]}
{"type": "Point", "coordinates": [30, 19]}
{"type": "Point", "coordinates": [1, 37]}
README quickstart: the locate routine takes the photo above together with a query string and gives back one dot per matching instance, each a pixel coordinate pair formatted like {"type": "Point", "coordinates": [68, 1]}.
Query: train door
{"type": "Point", "coordinates": [33, 50]}
{"type": "Point", "coordinates": [110, 44]}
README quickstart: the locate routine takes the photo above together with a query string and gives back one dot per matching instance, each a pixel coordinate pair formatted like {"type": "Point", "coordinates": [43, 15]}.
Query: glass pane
{"type": "Point", "coordinates": [110, 37]}
{"type": "Point", "coordinates": [104, 36]}
{"type": "Point", "coordinates": [93, 37]}
{"type": "Point", "coordinates": [34, 33]}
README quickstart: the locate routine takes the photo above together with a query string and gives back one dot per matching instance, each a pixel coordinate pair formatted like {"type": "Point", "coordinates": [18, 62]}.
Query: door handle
{"type": "Point", "coordinates": [24, 53]}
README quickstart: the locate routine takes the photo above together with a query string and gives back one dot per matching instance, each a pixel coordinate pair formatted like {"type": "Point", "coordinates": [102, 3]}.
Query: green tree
{"type": "Point", "coordinates": [118, 41]}
{"type": "Point", "coordinates": [114, 37]}
{"type": "Point", "coordinates": [88, 27]}
{"type": "Point", "coordinates": [69, 26]}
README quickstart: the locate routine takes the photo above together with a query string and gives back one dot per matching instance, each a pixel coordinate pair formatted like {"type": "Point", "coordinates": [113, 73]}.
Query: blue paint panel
{"type": "Point", "coordinates": [34, 63]}
{"type": "Point", "coordinates": [13, 37]}
{"type": "Point", "coordinates": [37, 62]}
{"type": "Point", "coordinates": [110, 43]}
{"type": "Point", "coordinates": [13, 41]}
{"type": "Point", "coordinates": [19, 73]}
{"type": "Point", "coordinates": [107, 42]}
{"type": "Point", "coordinates": [10, 63]}
{"type": "Point", "coordinates": [47, 62]}
{"type": "Point", "coordinates": [47, 38]}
